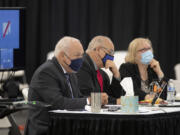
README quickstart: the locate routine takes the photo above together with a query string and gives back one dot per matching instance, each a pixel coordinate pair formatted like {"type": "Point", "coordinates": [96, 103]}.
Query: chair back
{"type": "Point", "coordinates": [25, 93]}
{"type": "Point", "coordinates": [119, 58]}
{"type": "Point", "coordinates": [177, 71]}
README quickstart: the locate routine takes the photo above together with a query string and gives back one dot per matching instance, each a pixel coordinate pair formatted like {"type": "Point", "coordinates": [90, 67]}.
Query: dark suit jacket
{"type": "Point", "coordinates": [87, 79]}
{"type": "Point", "coordinates": [131, 70]}
{"type": "Point", "coordinates": [49, 85]}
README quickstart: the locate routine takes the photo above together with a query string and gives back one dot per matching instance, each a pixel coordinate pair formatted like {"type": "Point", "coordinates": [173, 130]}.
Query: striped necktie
{"type": "Point", "coordinates": [69, 84]}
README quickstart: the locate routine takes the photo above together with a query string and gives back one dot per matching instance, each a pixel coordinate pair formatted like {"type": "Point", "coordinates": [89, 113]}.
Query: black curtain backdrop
{"type": "Point", "coordinates": [121, 20]}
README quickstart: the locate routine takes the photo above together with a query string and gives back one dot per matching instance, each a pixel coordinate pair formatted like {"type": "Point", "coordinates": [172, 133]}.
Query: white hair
{"type": "Point", "coordinates": [97, 41]}
{"type": "Point", "coordinates": [64, 44]}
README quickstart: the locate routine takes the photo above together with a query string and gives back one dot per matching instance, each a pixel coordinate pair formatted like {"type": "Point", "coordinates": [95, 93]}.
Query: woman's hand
{"type": "Point", "coordinates": [154, 64]}
{"type": "Point", "coordinates": [149, 97]}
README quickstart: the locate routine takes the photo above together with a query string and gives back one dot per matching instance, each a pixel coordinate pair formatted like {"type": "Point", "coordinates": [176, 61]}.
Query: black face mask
{"type": "Point", "coordinates": [76, 64]}
{"type": "Point", "coordinates": [107, 57]}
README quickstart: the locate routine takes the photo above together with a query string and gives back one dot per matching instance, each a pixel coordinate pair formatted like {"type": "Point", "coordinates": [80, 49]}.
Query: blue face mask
{"type": "Point", "coordinates": [76, 64]}
{"type": "Point", "coordinates": [146, 57]}
{"type": "Point", "coordinates": [107, 57]}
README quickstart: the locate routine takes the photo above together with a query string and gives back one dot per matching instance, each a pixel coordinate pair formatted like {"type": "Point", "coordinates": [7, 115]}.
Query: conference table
{"type": "Point", "coordinates": [147, 121]}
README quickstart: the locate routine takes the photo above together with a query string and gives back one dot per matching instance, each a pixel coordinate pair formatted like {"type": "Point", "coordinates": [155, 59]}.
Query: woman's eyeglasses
{"type": "Point", "coordinates": [144, 49]}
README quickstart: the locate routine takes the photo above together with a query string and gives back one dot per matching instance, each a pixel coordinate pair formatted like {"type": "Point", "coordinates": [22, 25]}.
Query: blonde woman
{"type": "Point", "coordinates": [142, 67]}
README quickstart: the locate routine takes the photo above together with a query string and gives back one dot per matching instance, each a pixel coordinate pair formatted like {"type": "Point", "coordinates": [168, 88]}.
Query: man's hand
{"type": "Point", "coordinates": [104, 98]}
{"type": "Point", "coordinates": [118, 101]}
{"type": "Point", "coordinates": [113, 68]}
{"type": "Point", "coordinates": [89, 100]}
{"type": "Point", "coordinates": [154, 64]}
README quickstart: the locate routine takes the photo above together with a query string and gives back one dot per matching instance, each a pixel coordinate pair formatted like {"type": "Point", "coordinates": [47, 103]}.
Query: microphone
{"type": "Point", "coordinates": [6, 108]}
{"type": "Point", "coordinates": [38, 104]}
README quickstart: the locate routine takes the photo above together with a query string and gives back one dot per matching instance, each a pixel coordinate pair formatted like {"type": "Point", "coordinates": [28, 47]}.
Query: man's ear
{"type": "Point", "coordinates": [61, 54]}
{"type": "Point", "coordinates": [97, 49]}
{"type": "Point", "coordinates": [66, 59]}
{"type": "Point", "coordinates": [100, 52]}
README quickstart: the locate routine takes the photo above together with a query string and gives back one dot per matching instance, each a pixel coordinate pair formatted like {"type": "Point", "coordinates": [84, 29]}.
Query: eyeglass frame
{"type": "Point", "coordinates": [110, 52]}
{"type": "Point", "coordinates": [69, 56]}
{"type": "Point", "coordinates": [144, 49]}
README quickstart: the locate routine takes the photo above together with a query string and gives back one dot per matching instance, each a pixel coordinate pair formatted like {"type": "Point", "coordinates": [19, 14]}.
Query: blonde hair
{"type": "Point", "coordinates": [132, 49]}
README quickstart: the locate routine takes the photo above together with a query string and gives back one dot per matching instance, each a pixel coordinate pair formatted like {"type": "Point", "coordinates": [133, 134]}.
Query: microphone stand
{"type": "Point", "coordinates": [7, 108]}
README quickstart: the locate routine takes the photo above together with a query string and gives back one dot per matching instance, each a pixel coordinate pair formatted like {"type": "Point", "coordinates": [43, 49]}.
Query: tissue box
{"type": "Point", "coordinates": [129, 104]}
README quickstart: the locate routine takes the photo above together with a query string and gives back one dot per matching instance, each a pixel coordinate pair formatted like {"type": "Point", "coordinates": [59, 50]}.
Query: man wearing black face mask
{"type": "Point", "coordinates": [99, 54]}
{"type": "Point", "coordinates": [55, 83]}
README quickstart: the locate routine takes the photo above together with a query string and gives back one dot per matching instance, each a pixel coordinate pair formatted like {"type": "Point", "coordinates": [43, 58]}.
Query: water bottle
{"type": "Point", "coordinates": [170, 92]}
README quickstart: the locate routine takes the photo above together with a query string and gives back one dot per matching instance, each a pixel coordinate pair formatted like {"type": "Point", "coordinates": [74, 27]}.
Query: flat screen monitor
{"type": "Point", "coordinates": [12, 38]}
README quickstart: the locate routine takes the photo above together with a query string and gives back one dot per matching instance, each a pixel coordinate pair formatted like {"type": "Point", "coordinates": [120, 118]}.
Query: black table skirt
{"type": "Point", "coordinates": [93, 124]}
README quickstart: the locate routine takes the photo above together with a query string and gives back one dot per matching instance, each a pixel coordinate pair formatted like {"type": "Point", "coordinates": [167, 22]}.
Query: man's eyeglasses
{"type": "Point", "coordinates": [110, 52]}
{"type": "Point", "coordinates": [74, 56]}
{"type": "Point", "coordinates": [67, 56]}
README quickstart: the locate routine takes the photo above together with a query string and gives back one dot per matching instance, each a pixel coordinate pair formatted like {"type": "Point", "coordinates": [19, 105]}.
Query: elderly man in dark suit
{"type": "Point", "coordinates": [55, 83]}
{"type": "Point", "coordinates": [99, 54]}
